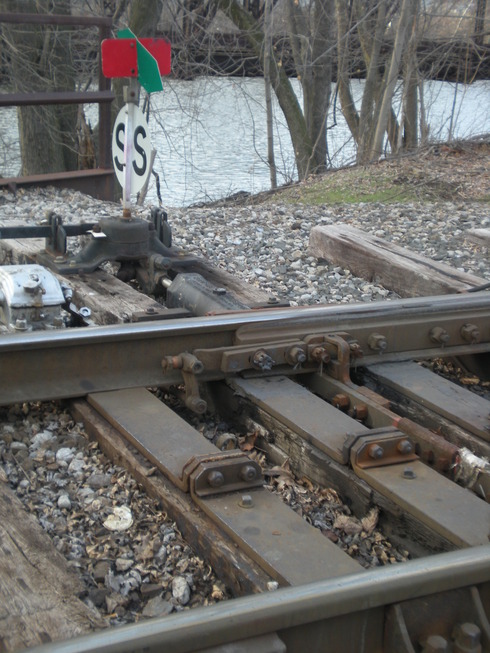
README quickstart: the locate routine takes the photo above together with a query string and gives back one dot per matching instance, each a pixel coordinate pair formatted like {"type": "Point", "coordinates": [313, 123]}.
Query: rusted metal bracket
{"type": "Point", "coordinates": [332, 352]}
{"type": "Point", "coordinates": [381, 447]}
{"type": "Point", "coordinates": [344, 348]}
{"type": "Point", "coordinates": [221, 472]}
{"type": "Point", "coordinates": [190, 366]}
{"type": "Point", "coordinates": [373, 410]}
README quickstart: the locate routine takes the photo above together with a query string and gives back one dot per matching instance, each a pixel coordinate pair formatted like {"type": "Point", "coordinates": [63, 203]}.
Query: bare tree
{"type": "Point", "coordinates": [368, 23]}
{"type": "Point", "coordinates": [311, 29]}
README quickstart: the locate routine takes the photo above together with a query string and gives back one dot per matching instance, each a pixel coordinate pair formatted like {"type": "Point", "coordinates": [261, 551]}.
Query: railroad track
{"type": "Point", "coordinates": [335, 391]}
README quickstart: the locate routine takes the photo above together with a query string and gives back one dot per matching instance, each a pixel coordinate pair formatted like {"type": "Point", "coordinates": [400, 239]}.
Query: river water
{"type": "Point", "coordinates": [211, 141]}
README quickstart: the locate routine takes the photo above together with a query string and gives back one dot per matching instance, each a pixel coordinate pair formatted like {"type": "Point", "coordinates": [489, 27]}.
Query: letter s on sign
{"type": "Point", "coordinates": [139, 131]}
{"type": "Point", "coordinates": [120, 144]}
{"type": "Point", "coordinates": [139, 152]}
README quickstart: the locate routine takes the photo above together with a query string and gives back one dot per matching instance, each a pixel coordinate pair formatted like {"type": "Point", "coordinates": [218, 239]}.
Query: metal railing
{"type": "Point", "coordinates": [99, 181]}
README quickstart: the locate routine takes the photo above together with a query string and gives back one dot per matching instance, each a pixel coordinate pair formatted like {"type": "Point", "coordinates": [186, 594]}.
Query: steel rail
{"type": "Point", "coordinates": [73, 362]}
{"type": "Point", "coordinates": [289, 608]}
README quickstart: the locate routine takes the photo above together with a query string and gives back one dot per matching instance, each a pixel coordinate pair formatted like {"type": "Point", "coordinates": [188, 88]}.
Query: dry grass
{"type": "Point", "coordinates": [456, 172]}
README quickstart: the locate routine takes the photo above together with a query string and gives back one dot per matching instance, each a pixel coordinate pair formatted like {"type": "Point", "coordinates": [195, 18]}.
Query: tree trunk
{"type": "Point", "coordinates": [481, 7]}
{"type": "Point", "coordinates": [317, 81]}
{"type": "Point", "coordinates": [268, 99]}
{"type": "Point", "coordinates": [406, 14]}
{"type": "Point", "coordinates": [343, 81]}
{"type": "Point", "coordinates": [373, 84]}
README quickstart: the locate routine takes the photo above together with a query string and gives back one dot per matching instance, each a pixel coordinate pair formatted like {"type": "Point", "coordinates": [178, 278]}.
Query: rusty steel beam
{"type": "Point", "coordinates": [307, 616]}
{"type": "Point", "coordinates": [97, 182]}
{"type": "Point", "coordinates": [55, 19]}
{"type": "Point", "coordinates": [55, 97]}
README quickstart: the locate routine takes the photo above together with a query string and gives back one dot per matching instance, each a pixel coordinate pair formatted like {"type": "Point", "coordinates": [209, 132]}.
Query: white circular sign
{"type": "Point", "coordinates": [139, 147]}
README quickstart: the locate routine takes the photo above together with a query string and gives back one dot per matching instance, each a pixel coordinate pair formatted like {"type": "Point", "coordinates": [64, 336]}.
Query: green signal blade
{"type": "Point", "coordinates": [148, 73]}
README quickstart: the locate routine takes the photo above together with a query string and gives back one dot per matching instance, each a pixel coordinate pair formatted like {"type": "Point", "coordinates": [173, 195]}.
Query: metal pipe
{"type": "Point", "coordinates": [289, 607]}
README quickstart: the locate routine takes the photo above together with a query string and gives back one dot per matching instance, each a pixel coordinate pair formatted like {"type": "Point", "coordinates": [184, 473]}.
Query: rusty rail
{"type": "Point", "coordinates": [348, 613]}
{"type": "Point", "coordinates": [98, 181]}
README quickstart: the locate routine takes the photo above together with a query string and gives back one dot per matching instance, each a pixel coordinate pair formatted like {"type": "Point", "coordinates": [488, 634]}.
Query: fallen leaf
{"type": "Point", "coordinates": [349, 525]}
{"type": "Point", "coordinates": [470, 380]}
{"type": "Point", "coordinates": [370, 520]}
{"type": "Point", "coordinates": [248, 443]}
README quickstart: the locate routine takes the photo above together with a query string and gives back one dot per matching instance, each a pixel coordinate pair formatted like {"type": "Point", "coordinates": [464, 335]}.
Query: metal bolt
{"type": "Point", "coordinates": [440, 335]}
{"type": "Point", "coordinates": [196, 367]}
{"type": "Point", "coordinates": [467, 638]}
{"type": "Point", "coordinates": [376, 452]}
{"type": "Point", "coordinates": [408, 473]}
{"type": "Point", "coordinates": [246, 501]}
{"type": "Point", "coordinates": [150, 310]}
{"type": "Point", "coordinates": [295, 355]}
{"type": "Point", "coordinates": [85, 311]}
{"type": "Point", "coordinates": [226, 441]}
{"type": "Point", "coordinates": [470, 333]}
{"type": "Point", "coordinates": [377, 342]}
{"type": "Point", "coordinates": [215, 479]}
{"type": "Point", "coordinates": [262, 360]}
{"type": "Point", "coordinates": [320, 355]}
{"type": "Point", "coordinates": [219, 291]}
{"type": "Point", "coordinates": [272, 300]}
{"type": "Point", "coordinates": [341, 401]}
{"type": "Point", "coordinates": [21, 324]}
{"type": "Point", "coordinates": [435, 644]}
{"type": "Point", "coordinates": [405, 447]}
{"type": "Point", "coordinates": [360, 412]}
{"type": "Point", "coordinates": [196, 404]}
{"type": "Point", "coordinates": [248, 473]}
{"type": "Point", "coordinates": [355, 350]}
{"type": "Point", "coordinates": [33, 285]}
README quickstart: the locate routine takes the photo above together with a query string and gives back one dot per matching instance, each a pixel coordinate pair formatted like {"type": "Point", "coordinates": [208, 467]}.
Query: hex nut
{"type": "Point", "coordinates": [320, 355]}
{"type": "Point", "coordinates": [21, 324]}
{"type": "Point", "coordinates": [341, 401]}
{"type": "Point", "coordinates": [405, 447]}
{"type": "Point", "coordinates": [197, 405]}
{"type": "Point", "coordinates": [467, 638]}
{"type": "Point", "coordinates": [408, 473]}
{"type": "Point", "coordinates": [376, 452]}
{"type": "Point", "coordinates": [470, 333]}
{"type": "Point", "coordinates": [440, 335]}
{"type": "Point", "coordinates": [377, 342]}
{"type": "Point", "coordinates": [246, 501]}
{"type": "Point", "coordinates": [295, 355]}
